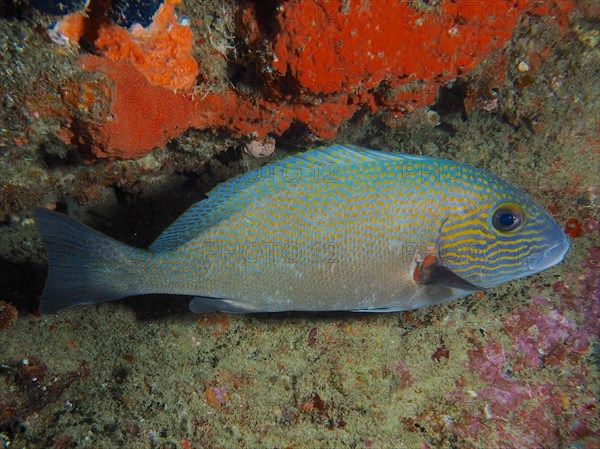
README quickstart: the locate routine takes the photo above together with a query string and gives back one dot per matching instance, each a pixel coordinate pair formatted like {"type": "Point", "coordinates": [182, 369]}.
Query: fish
{"type": "Point", "coordinates": [341, 228]}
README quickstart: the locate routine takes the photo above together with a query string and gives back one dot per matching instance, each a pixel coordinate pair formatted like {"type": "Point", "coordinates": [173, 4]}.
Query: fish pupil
{"type": "Point", "coordinates": [507, 219]}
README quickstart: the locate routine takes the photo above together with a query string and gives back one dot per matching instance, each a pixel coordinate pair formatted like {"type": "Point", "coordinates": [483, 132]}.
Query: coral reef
{"type": "Point", "coordinates": [520, 411]}
{"type": "Point", "coordinates": [68, 30]}
{"type": "Point", "coordinates": [161, 52]}
{"type": "Point", "coordinates": [325, 63]}
{"type": "Point", "coordinates": [512, 367]}
{"type": "Point", "coordinates": [318, 44]}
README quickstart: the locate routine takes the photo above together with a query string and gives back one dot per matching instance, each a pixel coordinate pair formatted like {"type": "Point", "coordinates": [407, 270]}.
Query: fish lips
{"type": "Point", "coordinates": [546, 257]}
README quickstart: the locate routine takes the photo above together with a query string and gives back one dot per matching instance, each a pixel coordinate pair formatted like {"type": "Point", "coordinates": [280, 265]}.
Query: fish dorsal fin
{"type": "Point", "coordinates": [318, 165]}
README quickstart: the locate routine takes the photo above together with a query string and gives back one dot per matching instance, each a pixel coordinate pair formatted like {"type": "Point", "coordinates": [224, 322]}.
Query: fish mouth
{"type": "Point", "coordinates": [552, 255]}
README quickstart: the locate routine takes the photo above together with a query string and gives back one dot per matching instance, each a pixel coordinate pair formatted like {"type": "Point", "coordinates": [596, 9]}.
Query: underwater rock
{"type": "Point", "coordinates": [127, 12]}
{"type": "Point", "coordinates": [8, 315]}
{"type": "Point", "coordinates": [59, 7]}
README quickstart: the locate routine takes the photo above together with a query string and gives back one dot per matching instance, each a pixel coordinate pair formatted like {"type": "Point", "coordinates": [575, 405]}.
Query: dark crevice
{"type": "Point", "coordinates": [451, 100]}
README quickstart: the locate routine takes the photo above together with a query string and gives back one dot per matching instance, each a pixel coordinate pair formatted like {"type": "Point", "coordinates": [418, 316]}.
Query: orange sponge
{"type": "Point", "coordinates": [161, 52]}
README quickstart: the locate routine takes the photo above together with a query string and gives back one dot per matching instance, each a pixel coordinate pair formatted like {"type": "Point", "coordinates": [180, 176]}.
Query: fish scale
{"type": "Point", "coordinates": [338, 228]}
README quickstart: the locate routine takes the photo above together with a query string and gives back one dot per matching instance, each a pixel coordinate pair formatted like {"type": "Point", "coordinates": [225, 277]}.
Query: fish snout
{"type": "Point", "coordinates": [556, 248]}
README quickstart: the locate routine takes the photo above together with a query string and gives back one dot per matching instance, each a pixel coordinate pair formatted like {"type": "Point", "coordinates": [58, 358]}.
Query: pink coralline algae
{"type": "Point", "coordinates": [539, 335]}
{"type": "Point", "coordinates": [534, 373]}
{"type": "Point", "coordinates": [404, 376]}
{"type": "Point", "coordinates": [217, 396]}
{"type": "Point", "coordinates": [513, 413]}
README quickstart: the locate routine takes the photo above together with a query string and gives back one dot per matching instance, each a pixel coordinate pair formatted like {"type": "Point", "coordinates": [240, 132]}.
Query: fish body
{"type": "Point", "coordinates": [338, 228]}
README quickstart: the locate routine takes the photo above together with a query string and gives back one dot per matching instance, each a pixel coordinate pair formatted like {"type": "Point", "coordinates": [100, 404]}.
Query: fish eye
{"type": "Point", "coordinates": [508, 218]}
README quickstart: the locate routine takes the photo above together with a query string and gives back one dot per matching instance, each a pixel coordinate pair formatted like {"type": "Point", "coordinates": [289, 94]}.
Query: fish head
{"type": "Point", "coordinates": [499, 235]}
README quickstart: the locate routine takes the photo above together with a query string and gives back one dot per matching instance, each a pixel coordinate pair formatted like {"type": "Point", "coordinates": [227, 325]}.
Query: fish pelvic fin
{"type": "Point", "coordinates": [85, 266]}
{"type": "Point", "coordinates": [201, 304]}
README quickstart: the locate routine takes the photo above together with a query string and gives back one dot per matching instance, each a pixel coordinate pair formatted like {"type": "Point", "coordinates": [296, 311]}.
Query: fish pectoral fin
{"type": "Point", "coordinates": [430, 272]}
{"type": "Point", "coordinates": [202, 304]}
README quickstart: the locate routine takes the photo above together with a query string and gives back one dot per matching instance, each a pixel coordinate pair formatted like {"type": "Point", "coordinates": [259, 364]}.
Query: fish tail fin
{"type": "Point", "coordinates": [85, 266]}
